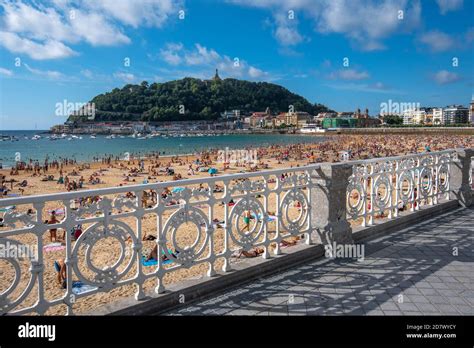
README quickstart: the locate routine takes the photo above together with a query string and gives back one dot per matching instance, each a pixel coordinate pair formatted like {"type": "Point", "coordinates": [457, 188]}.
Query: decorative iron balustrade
{"type": "Point", "coordinates": [222, 214]}
{"type": "Point", "coordinates": [197, 225]}
{"type": "Point", "coordinates": [382, 187]}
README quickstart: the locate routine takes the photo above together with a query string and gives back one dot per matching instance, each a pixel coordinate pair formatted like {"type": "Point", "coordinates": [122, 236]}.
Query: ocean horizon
{"type": "Point", "coordinates": [85, 149]}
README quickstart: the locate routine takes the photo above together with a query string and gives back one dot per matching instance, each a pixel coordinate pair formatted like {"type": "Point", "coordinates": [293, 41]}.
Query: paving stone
{"type": "Point", "coordinates": [407, 307]}
{"type": "Point", "coordinates": [430, 279]}
{"type": "Point", "coordinates": [427, 308]}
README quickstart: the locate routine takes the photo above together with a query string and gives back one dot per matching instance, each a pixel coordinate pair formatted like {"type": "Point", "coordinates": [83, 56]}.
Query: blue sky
{"type": "Point", "coordinates": [68, 51]}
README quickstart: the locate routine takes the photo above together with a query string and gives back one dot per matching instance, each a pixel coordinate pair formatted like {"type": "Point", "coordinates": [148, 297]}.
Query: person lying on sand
{"type": "Point", "coordinates": [154, 255]}
{"type": "Point", "coordinates": [251, 253]}
{"type": "Point", "coordinates": [293, 240]}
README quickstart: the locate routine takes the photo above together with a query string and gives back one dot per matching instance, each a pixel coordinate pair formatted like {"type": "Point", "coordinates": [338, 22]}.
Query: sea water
{"type": "Point", "coordinates": [85, 149]}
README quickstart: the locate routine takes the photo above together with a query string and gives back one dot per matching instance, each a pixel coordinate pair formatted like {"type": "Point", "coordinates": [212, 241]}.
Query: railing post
{"type": "Point", "coordinates": [328, 197]}
{"type": "Point", "coordinates": [459, 186]}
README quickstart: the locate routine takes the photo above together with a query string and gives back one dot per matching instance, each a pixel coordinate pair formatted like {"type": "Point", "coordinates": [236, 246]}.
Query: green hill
{"type": "Point", "coordinates": [199, 99]}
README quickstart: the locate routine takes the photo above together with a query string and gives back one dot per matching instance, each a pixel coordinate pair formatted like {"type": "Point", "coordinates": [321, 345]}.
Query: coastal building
{"type": "Point", "coordinates": [345, 114]}
{"type": "Point", "coordinates": [297, 119]}
{"type": "Point", "coordinates": [364, 120]}
{"type": "Point", "coordinates": [260, 119]}
{"type": "Point", "coordinates": [456, 114]}
{"type": "Point", "coordinates": [428, 120]}
{"type": "Point", "coordinates": [419, 116]}
{"type": "Point", "coordinates": [322, 115]}
{"type": "Point", "coordinates": [339, 122]}
{"type": "Point", "coordinates": [414, 116]}
{"type": "Point", "coordinates": [437, 118]}
{"type": "Point", "coordinates": [471, 110]}
{"type": "Point", "coordinates": [231, 115]}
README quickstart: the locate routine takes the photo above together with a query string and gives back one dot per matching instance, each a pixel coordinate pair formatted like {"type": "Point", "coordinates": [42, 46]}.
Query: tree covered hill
{"type": "Point", "coordinates": [194, 99]}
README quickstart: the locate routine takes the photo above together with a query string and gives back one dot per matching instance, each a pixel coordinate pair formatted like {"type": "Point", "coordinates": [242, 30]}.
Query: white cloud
{"type": "Point", "coordinates": [96, 30]}
{"type": "Point", "coordinates": [349, 74]}
{"type": "Point", "coordinates": [286, 31]}
{"type": "Point", "coordinates": [363, 87]}
{"type": "Point", "coordinates": [54, 25]}
{"type": "Point", "coordinates": [255, 73]}
{"type": "Point", "coordinates": [87, 73]}
{"type": "Point", "coordinates": [365, 22]}
{"type": "Point", "coordinates": [170, 53]}
{"type": "Point", "coordinates": [6, 72]}
{"type": "Point", "coordinates": [152, 13]}
{"type": "Point", "coordinates": [444, 77]}
{"type": "Point", "coordinates": [126, 77]}
{"type": "Point", "coordinates": [438, 41]}
{"type": "Point", "coordinates": [36, 23]}
{"type": "Point", "coordinates": [50, 74]}
{"type": "Point", "coordinates": [48, 49]}
{"type": "Point", "coordinates": [201, 55]}
{"type": "Point", "coordinates": [449, 5]}
{"type": "Point", "coordinates": [208, 59]}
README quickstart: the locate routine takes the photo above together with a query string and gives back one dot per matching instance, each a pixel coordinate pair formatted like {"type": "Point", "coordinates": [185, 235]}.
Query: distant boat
{"type": "Point", "coordinates": [36, 137]}
{"type": "Point", "coordinates": [92, 137]}
{"type": "Point", "coordinates": [309, 128]}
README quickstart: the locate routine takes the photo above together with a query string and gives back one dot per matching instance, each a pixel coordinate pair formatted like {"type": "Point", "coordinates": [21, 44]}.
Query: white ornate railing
{"type": "Point", "coordinates": [217, 227]}
{"type": "Point", "coordinates": [198, 225]}
{"type": "Point", "coordinates": [382, 187]}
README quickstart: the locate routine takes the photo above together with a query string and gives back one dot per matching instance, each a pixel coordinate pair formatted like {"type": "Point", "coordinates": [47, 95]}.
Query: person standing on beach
{"type": "Point", "coordinates": [52, 232]}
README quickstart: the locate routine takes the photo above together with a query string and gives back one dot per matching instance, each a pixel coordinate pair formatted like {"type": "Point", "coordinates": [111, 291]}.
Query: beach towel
{"type": "Point", "coordinates": [53, 247]}
{"type": "Point", "coordinates": [260, 217]}
{"type": "Point", "coordinates": [154, 262]}
{"type": "Point", "coordinates": [13, 195]}
{"type": "Point", "coordinates": [7, 209]}
{"type": "Point", "coordinates": [80, 288]}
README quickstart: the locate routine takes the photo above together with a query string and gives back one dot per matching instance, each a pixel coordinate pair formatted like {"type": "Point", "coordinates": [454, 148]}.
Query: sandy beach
{"type": "Point", "coordinates": [45, 178]}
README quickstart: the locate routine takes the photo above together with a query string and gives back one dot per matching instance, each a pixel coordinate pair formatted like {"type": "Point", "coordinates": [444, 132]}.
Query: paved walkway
{"type": "Point", "coordinates": [410, 272]}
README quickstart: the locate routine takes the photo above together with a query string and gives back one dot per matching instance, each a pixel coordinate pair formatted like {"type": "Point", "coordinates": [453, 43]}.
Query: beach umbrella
{"type": "Point", "coordinates": [212, 171]}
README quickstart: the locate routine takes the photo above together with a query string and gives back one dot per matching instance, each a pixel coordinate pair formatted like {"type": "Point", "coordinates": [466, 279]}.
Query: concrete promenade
{"type": "Point", "coordinates": [426, 269]}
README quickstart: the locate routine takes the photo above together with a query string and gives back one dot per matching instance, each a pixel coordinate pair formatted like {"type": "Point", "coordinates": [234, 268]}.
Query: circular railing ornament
{"type": "Point", "coordinates": [355, 201]}
{"type": "Point", "coordinates": [6, 303]}
{"type": "Point", "coordinates": [241, 211]}
{"type": "Point", "coordinates": [108, 276]}
{"type": "Point", "coordinates": [405, 193]}
{"type": "Point", "coordinates": [426, 181]}
{"type": "Point", "coordinates": [382, 199]}
{"type": "Point", "coordinates": [294, 225]}
{"type": "Point", "coordinates": [188, 254]}
{"type": "Point", "coordinates": [443, 178]}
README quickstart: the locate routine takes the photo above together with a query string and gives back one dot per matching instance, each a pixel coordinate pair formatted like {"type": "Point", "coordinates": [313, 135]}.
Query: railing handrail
{"type": "Point", "coordinates": [186, 182]}
{"type": "Point", "coordinates": [150, 186]}
{"type": "Point", "coordinates": [395, 158]}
